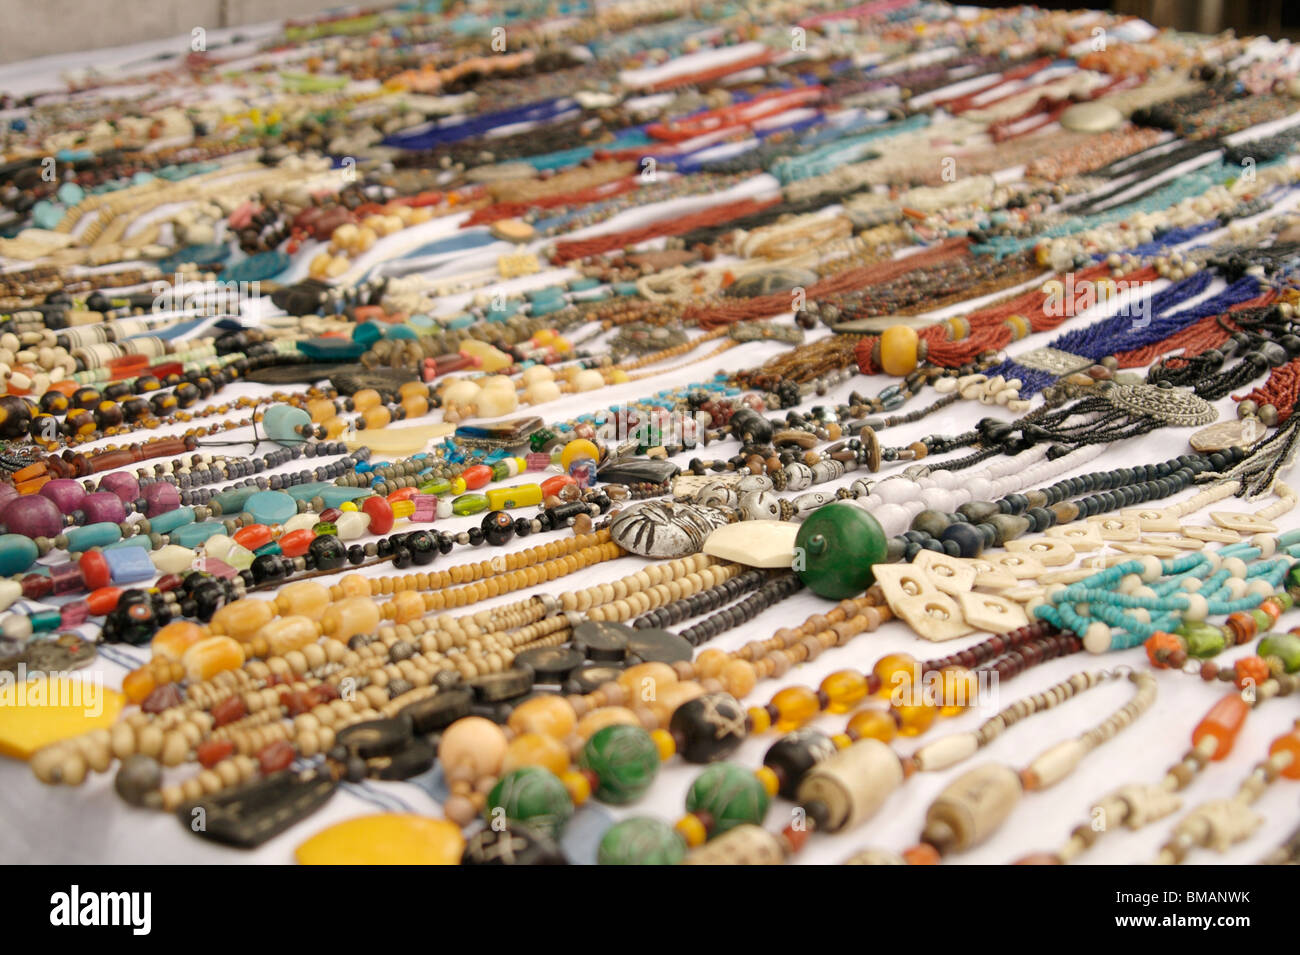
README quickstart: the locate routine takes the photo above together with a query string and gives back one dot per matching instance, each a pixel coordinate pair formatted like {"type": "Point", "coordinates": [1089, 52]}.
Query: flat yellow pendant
{"type": "Point", "coordinates": [45, 710]}
{"type": "Point", "coordinates": [399, 440]}
{"type": "Point", "coordinates": [385, 839]}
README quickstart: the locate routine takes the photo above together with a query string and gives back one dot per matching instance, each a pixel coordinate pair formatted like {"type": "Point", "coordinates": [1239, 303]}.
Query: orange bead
{"type": "Point", "coordinates": [253, 536]}
{"type": "Point", "coordinates": [549, 715]}
{"type": "Point", "coordinates": [960, 688]}
{"type": "Point", "coordinates": [295, 543]}
{"type": "Point", "coordinates": [321, 410]}
{"type": "Point", "coordinates": [897, 672]}
{"type": "Point", "coordinates": [211, 656]}
{"type": "Point", "coordinates": [1223, 723]}
{"type": "Point", "coordinates": [1160, 646]}
{"type": "Point", "coordinates": [138, 684]}
{"type": "Point", "coordinates": [1290, 743]}
{"type": "Point", "coordinates": [873, 724]}
{"type": "Point", "coordinates": [536, 749]}
{"type": "Point", "coordinates": [335, 426]}
{"type": "Point", "coordinates": [416, 406]}
{"type": "Point", "coordinates": [921, 854]}
{"type": "Point", "coordinates": [739, 678]}
{"type": "Point", "coordinates": [845, 689]}
{"type": "Point", "coordinates": [173, 640]}
{"type": "Point", "coordinates": [103, 601]}
{"type": "Point", "coordinates": [795, 706]}
{"type": "Point", "coordinates": [1251, 672]}
{"type": "Point", "coordinates": [377, 417]}
{"type": "Point", "coordinates": [915, 718]}
{"type": "Point", "coordinates": [365, 399]}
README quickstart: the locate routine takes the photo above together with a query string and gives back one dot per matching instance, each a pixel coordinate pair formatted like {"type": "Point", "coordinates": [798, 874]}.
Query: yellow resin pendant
{"type": "Point", "coordinates": [385, 839]}
{"type": "Point", "coordinates": [46, 710]}
{"type": "Point", "coordinates": [404, 441]}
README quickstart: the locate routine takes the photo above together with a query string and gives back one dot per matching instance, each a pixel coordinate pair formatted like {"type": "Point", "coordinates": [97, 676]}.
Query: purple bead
{"type": "Point", "coordinates": [7, 493]}
{"type": "Point", "coordinates": [121, 483]}
{"type": "Point", "coordinates": [103, 506]}
{"type": "Point", "coordinates": [34, 516]}
{"type": "Point", "coordinates": [67, 578]}
{"type": "Point", "coordinates": [74, 615]}
{"type": "Point", "coordinates": [161, 498]}
{"type": "Point", "coordinates": [66, 493]}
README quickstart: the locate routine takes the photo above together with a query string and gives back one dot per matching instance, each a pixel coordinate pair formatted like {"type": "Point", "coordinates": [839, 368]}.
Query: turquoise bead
{"type": "Point", "coordinates": [82, 539]}
{"type": "Point", "coordinates": [192, 535]}
{"type": "Point", "coordinates": [17, 553]}
{"type": "Point", "coordinates": [281, 424]}
{"type": "Point", "coordinates": [231, 500]}
{"type": "Point", "coordinates": [305, 492]}
{"type": "Point", "coordinates": [334, 495]}
{"type": "Point", "coordinates": [139, 540]}
{"type": "Point", "coordinates": [45, 620]}
{"type": "Point", "coordinates": [271, 507]}
{"type": "Point", "coordinates": [168, 522]}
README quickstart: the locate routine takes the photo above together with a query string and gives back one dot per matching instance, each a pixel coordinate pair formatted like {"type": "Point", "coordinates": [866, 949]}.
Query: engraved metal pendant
{"type": "Point", "coordinates": [1053, 361]}
{"type": "Point", "coordinates": [1240, 433]}
{"type": "Point", "coordinates": [1171, 406]}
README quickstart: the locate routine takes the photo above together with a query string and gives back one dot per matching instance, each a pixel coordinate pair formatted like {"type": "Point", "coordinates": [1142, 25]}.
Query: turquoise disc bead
{"type": "Point", "coordinates": [282, 421]}
{"type": "Point", "coordinates": [271, 507]}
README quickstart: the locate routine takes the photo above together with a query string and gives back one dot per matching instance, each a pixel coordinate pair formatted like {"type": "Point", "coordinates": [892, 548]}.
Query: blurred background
{"type": "Point", "coordinates": [39, 27]}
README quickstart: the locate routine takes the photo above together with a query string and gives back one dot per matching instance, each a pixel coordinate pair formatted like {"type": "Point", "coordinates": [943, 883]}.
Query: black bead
{"type": "Point", "coordinates": [327, 552]}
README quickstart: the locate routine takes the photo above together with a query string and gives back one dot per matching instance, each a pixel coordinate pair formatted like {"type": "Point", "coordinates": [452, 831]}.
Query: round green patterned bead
{"type": "Point", "coordinates": [530, 795]}
{"type": "Point", "coordinates": [641, 841]}
{"type": "Point", "coordinates": [730, 794]}
{"type": "Point", "coordinates": [625, 761]}
{"type": "Point", "coordinates": [835, 549]}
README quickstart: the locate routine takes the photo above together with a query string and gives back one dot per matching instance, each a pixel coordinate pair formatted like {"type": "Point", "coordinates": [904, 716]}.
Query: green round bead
{"type": "Point", "coordinates": [1284, 646]}
{"type": "Point", "coordinates": [533, 796]}
{"type": "Point", "coordinates": [730, 794]}
{"type": "Point", "coordinates": [836, 548]}
{"type": "Point", "coordinates": [641, 841]}
{"type": "Point", "coordinates": [625, 760]}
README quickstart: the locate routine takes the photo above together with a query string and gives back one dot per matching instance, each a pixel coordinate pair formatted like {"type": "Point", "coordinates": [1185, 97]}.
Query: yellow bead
{"type": "Point", "coordinates": [365, 399]}
{"type": "Point", "coordinates": [845, 689]}
{"type": "Point", "coordinates": [960, 689]}
{"type": "Point", "coordinates": [873, 724]}
{"type": "Point", "coordinates": [899, 347]}
{"type": "Point", "coordinates": [692, 830]}
{"type": "Point", "coordinates": [578, 448]}
{"type": "Point", "coordinates": [618, 377]}
{"type": "Point", "coordinates": [348, 506]}
{"type": "Point", "coordinates": [842, 740]}
{"type": "Point", "coordinates": [896, 671]}
{"type": "Point", "coordinates": [578, 785]}
{"type": "Point", "coordinates": [457, 485]}
{"type": "Point", "coordinates": [403, 508]}
{"type": "Point", "coordinates": [536, 749]}
{"type": "Point", "coordinates": [666, 744]}
{"type": "Point", "coordinates": [386, 839]}
{"type": "Point", "coordinates": [520, 495]}
{"type": "Point", "coordinates": [550, 715]}
{"type": "Point", "coordinates": [795, 706]}
{"type": "Point", "coordinates": [759, 718]}
{"type": "Point", "coordinates": [769, 779]}
{"type": "Point", "coordinates": [1019, 326]}
{"type": "Point", "coordinates": [915, 718]}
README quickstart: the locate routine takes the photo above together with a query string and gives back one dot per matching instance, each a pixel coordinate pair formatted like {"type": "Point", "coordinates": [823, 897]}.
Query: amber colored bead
{"type": "Point", "coordinates": [212, 751]}
{"type": "Point", "coordinates": [898, 350]}
{"type": "Point", "coordinates": [413, 389]}
{"type": "Point", "coordinates": [173, 640]}
{"type": "Point", "coordinates": [321, 410]}
{"type": "Point", "coordinates": [1289, 743]}
{"type": "Point", "coordinates": [335, 426]}
{"type": "Point", "coordinates": [738, 678]}
{"type": "Point", "coordinates": [138, 684]}
{"type": "Point", "coordinates": [305, 597]}
{"type": "Point", "coordinates": [960, 689]}
{"type": "Point", "coordinates": [1242, 626]}
{"type": "Point", "coordinates": [549, 715]}
{"type": "Point", "coordinates": [377, 417]}
{"type": "Point", "coordinates": [366, 399]}
{"type": "Point", "coordinates": [915, 718]}
{"type": "Point", "coordinates": [1223, 722]}
{"type": "Point", "coordinates": [211, 656]}
{"type": "Point", "coordinates": [242, 618]}
{"type": "Point", "coordinates": [845, 689]}
{"type": "Point", "coordinates": [896, 671]}
{"type": "Point", "coordinates": [873, 724]}
{"type": "Point", "coordinates": [416, 406]}
{"type": "Point", "coordinates": [795, 706]}
{"type": "Point", "coordinates": [760, 720]}
{"type": "Point", "coordinates": [598, 719]}
{"type": "Point", "coordinates": [536, 749]}
{"type": "Point", "coordinates": [921, 854]}
{"type": "Point", "coordinates": [643, 682]}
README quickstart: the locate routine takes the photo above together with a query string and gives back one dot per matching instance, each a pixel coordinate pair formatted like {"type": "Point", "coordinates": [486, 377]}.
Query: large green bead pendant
{"type": "Point", "coordinates": [836, 549]}
{"type": "Point", "coordinates": [533, 796]}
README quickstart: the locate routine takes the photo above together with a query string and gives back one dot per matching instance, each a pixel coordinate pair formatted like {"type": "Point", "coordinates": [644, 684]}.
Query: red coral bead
{"type": "Point", "coordinates": [295, 543]}
{"type": "Point", "coordinates": [380, 512]}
